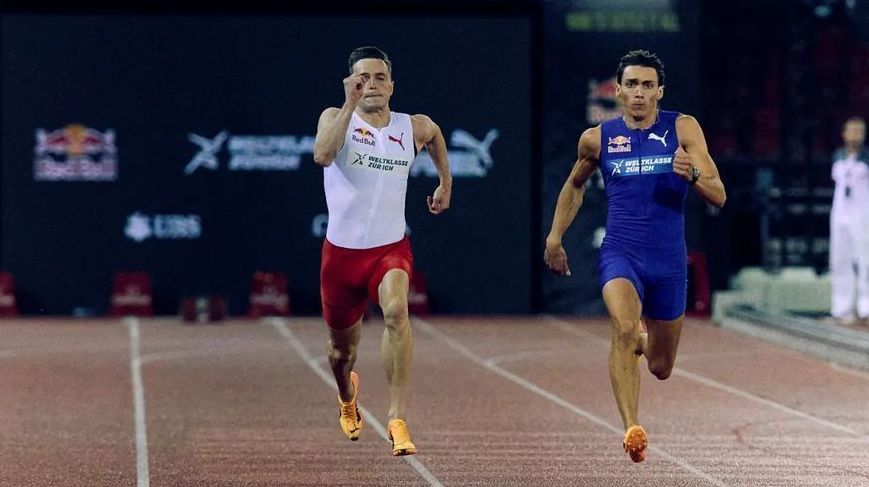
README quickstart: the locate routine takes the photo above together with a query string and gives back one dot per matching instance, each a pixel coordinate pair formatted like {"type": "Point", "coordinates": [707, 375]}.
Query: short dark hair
{"type": "Point", "coordinates": [641, 57]}
{"type": "Point", "coordinates": [855, 119]}
{"type": "Point", "coordinates": [368, 52]}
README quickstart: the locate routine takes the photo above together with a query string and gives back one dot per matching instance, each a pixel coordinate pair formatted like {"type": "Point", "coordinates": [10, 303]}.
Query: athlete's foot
{"type": "Point", "coordinates": [399, 434]}
{"type": "Point", "coordinates": [635, 443]}
{"type": "Point", "coordinates": [349, 417]}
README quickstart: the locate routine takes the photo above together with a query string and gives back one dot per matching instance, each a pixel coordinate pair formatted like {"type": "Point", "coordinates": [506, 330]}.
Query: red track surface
{"type": "Point", "coordinates": [495, 401]}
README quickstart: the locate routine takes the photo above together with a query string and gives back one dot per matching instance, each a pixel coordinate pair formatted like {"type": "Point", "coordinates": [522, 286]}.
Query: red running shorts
{"type": "Point", "coordinates": [349, 277]}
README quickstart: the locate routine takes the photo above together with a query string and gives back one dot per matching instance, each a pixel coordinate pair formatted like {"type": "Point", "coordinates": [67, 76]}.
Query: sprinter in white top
{"type": "Point", "coordinates": [849, 226]}
{"type": "Point", "coordinates": [366, 151]}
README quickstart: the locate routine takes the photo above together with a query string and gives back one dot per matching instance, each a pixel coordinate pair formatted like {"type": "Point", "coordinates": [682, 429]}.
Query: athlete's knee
{"type": "Point", "coordinates": [395, 310]}
{"type": "Point", "coordinates": [340, 355]}
{"type": "Point", "coordinates": [626, 334]}
{"type": "Point", "coordinates": [341, 352]}
{"type": "Point", "coordinates": [661, 367]}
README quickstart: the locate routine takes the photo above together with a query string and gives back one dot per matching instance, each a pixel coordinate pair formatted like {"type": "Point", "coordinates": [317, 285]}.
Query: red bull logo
{"type": "Point", "coordinates": [601, 101]}
{"type": "Point", "coordinates": [619, 143]}
{"type": "Point", "coordinates": [604, 90]}
{"type": "Point", "coordinates": [75, 153]}
{"type": "Point", "coordinates": [367, 137]}
{"type": "Point", "coordinates": [74, 140]}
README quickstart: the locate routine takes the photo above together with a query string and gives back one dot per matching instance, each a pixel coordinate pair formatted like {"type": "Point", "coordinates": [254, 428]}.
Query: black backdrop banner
{"type": "Point", "coordinates": [181, 146]}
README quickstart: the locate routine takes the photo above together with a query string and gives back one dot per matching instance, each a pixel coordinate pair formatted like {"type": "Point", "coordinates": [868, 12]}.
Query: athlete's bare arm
{"type": "Point", "coordinates": [427, 134]}
{"type": "Point", "coordinates": [332, 127]}
{"type": "Point", "coordinates": [570, 199]}
{"type": "Point", "coordinates": [692, 152]}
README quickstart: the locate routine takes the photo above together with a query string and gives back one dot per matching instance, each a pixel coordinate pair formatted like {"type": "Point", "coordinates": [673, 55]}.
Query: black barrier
{"type": "Point", "coordinates": [181, 146]}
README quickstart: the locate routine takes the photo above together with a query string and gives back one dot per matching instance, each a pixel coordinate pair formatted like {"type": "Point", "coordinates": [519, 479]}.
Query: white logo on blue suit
{"type": "Point", "coordinates": [660, 138]}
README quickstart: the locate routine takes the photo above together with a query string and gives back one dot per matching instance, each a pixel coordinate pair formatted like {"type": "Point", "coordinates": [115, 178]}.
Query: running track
{"type": "Point", "coordinates": [495, 402]}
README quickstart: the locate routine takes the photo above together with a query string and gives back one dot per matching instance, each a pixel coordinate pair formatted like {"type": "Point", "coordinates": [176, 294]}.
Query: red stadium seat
{"type": "Point", "coordinates": [131, 295]}
{"type": "Point", "coordinates": [269, 295]}
{"type": "Point", "coordinates": [417, 295]}
{"type": "Point", "coordinates": [8, 303]}
{"type": "Point", "coordinates": [699, 293]}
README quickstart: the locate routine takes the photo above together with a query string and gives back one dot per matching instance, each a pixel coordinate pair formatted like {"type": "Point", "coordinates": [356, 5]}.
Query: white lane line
{"type": "Point", "coordinates": [718, 385]}
{"type": "Point", "coordinates": [515, 357]}
{"type": "Point", "coordinates": [321, 371]}
{"type": "Point", "coordinates": [532, 387]}
{"type": "Point", "coordinates": [142, 476]}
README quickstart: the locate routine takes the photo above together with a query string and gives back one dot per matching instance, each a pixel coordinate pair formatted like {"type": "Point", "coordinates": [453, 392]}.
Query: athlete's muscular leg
{"type": "Point", "coordinates": [397, 346]}
{"type": "Point", "coordinates": [341, 349]}
{"type": "Point", "coordinates": [624, 308]}
{"type": "Point", "coordinates": [662, 342]}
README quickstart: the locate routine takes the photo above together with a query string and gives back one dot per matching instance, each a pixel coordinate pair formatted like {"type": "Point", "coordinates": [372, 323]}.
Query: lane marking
{"type": "Point", "coordinates": [315, 365]}
{"type": "Point", "coordinates": [516, 357]}
{"type": "Point", "coordinates": [491, 365]}
{"type": "Point", "coordinates": [142, 476]}
{"type": "Point", "coordinates": [562, 325]}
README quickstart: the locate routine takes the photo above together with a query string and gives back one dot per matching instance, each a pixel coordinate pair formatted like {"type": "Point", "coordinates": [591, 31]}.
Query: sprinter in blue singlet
{"type": "Point", "coordinates": [649, 159]}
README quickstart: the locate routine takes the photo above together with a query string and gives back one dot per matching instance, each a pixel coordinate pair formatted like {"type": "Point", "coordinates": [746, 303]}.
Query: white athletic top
{"type": "Point", "coordinates": [366, 185]}
{"type": "Point", "coordinates": [851, 196]}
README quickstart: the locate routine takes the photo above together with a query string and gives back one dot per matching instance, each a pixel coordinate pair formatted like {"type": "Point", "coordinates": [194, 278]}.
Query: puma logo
{"type": "Point", "coordinates": [660, 138]}
{"type": "Point", "coordinates": [399, 140]}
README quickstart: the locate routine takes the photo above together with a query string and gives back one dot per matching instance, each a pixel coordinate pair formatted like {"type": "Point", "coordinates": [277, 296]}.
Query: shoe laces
{"type": "Point", "coordinates": [348, 410]}
{"type": "Point", "coordinates": [399, 432]}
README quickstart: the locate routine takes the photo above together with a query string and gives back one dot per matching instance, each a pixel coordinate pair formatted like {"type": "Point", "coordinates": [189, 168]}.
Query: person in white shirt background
{"type": "Point", "coordinates": [849, 227]}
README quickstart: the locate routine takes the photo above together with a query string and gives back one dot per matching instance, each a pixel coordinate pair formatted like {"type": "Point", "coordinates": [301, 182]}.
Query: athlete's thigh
{"type": "Point", "coordinates": [622, 301]}
{"type": "Point", "coordinates": [392, 272]}
{"type": "Point", "coordinates": [395, 284]}
{"type": "Point", "coordinates": [663, 338]}
{"type": "Point", "coordinates": [621, 285]}
{"type": "Point", "coordinates": [664, 311]}
{"type": "Point", "coordinates": [666, 292]}
{"type": "Point", "coordinates": [342, 286]}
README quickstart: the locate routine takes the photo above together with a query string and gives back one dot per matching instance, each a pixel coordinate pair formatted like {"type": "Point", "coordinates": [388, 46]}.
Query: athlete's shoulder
{"type": "Point", "coordinates": [591, 132]}
{"type": "Point", "coordinates": [329, 113]}
{"type": "Point", "coordinates": [421, 124]}
{"type": "Point", "coordinates": [589, 140]}
{"type": "Point", "coordinates": [687, 125]}
{"type": "Point", "coordinates": [683, 118]}
{"type": "Point", "coordinates": [839, 154]}
{"type": "Point", "coordinates": [419, 118]}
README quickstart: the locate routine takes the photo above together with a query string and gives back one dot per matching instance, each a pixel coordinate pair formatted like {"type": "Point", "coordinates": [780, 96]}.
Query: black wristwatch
{"type": "Point", "coordinates": [695, 175]}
